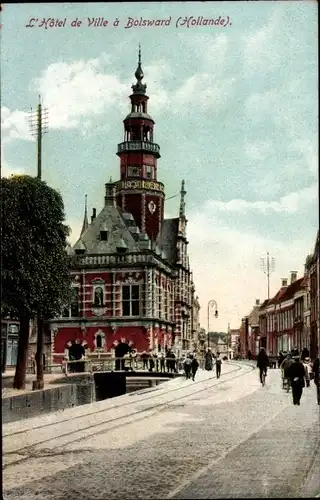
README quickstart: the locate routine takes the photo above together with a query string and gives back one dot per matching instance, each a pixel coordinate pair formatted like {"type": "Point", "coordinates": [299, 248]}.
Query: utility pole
{"type": "Point", "coordinates": [267, 266]}
{"type": "Point", "coordinates": [39, 127]}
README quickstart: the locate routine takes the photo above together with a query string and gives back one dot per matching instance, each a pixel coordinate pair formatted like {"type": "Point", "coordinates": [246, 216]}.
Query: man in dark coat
{"type": "Point", "coordinates": [187, 366]}
{"type": "Point", "coordinates": [262, 362]}
{"type": "Point", "coordinates": [316, 371]}
{"type": "Point", "coordinates": [281, 358]}
{"type": "Point", "coordinates": [194, 367]}
{"type": "Point", "coordinates": [218, 365]}
{"type": "Point", "coordinates": [296, 375]}
{"type": "Point", "coordinates": [208, 360]}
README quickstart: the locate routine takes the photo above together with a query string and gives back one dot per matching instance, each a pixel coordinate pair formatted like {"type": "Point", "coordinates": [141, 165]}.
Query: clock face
{"type": "Point", "coordinates": [152, 207]}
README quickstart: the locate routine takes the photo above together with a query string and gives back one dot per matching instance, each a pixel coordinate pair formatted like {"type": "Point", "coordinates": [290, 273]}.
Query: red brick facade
{"type": "Point", "coordinates": [132, 279]}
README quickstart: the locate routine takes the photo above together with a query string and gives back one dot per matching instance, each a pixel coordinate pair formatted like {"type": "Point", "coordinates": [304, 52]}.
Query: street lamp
{"type": "Point", "coordinates": [211, 304]}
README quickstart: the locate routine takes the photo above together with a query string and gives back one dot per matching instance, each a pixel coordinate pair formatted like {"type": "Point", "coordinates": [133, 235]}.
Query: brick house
{"type": "Point", "coordinates": [281, 324]}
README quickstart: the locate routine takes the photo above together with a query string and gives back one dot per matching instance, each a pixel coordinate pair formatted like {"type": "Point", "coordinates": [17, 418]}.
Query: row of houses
{"type": "Point", "coordinates": [289, 319]}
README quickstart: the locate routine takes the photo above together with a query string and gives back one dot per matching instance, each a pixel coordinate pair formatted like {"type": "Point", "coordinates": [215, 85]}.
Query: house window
{"type": "Point", "coordinates": [99, 341]}
{"type": "Point", "coordinates": [130, 300]}
{"type": "Point", "coordinates": [133, 171]}
{"type": "Point", "coordinates": [98, 296]}
{"type": "Point", "coordinates": [149, 173]}
{"type": "Point", "coordinates": [74, 307]}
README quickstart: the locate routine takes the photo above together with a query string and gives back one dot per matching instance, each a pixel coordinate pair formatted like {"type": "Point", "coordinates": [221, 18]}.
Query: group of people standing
{"type": "Point", "coordinates": [210, 360]}
{"type": "Point", "coordinates": [164, 362]}
{"type": "Point", "coordinates": [190, 366]}
{"type": "Point", "coordinates": [296, 369]}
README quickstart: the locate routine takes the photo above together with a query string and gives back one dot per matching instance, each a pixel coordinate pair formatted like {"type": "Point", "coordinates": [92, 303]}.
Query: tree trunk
{"type": "Point", "coordinates": [39, 383]}
{"type": "Point", "coordinates": [23, 343]}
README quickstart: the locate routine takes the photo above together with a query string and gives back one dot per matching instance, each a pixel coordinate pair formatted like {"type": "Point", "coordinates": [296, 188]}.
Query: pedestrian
{"type": "Point", "coordinates": [162, 362]}
{"type": "Point", "coordinates": [286, 363]}
{"type": "Point", "coordinates": [194, 366]}
{"type": "Point", "coordinates": [187, 367]}
{"type": "Point", "coordinates": [305, 354]}
{"type": "Point", "coordinates": [281, 358]}
{"type": "Point", "coordinates": [249, 355]}
{"type": "Point", "coordinates": [173, 362]}
{"type": "Point", "coordinates": [218, 365]}
{"type": "Point", "coordinates": [316, 371]}
{"type": "Point", "coordinates": [144, 356]}
{"type": "Point", "coordinates": [168, 361]}
{"type": "Point", "coordinates": [208, 360]}
{"type": "Point", "coordinates": [156, 361]}
{"type": "Point", "coordinates": [262, 362]}
{"type": "Point", "coordinates": [296, 374]}
{"type": "Point", "coordinates": [307, 370]}
{"type": "Point", "coordinates": [151, 364]}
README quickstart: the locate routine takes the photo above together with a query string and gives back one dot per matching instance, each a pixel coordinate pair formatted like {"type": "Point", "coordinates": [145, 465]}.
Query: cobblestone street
{"type": "Point", "coordinates": [226, 438]}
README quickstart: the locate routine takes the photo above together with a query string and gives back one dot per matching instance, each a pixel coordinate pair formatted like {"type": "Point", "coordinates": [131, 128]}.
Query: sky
{"type": "Point", "coordinates": [235, 106]}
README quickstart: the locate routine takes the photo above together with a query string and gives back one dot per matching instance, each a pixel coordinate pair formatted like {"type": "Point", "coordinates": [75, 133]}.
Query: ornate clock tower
{"type": "Point", "coordinates": [138, 191]}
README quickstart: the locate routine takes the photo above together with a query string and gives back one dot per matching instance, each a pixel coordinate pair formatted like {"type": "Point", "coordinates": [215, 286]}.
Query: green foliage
{"type": "Point", "coordinates": [35, 266]}
{"type": "Point", "coordinates": [214, 337]}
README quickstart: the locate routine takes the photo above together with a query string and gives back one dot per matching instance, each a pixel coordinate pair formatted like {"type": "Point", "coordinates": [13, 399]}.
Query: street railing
{"type": "Point", "coordinates": [108, 363]}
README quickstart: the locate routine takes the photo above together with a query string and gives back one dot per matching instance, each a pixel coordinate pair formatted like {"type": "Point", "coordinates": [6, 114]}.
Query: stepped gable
{"type": "Point", "coordinates": [109, 219]}
{"type": "Point", "coordinates": [167, 240]}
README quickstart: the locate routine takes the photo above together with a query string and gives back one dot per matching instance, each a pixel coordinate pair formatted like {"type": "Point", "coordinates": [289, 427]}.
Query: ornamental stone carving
{"type": "Point", "coordinates": [99, 312]}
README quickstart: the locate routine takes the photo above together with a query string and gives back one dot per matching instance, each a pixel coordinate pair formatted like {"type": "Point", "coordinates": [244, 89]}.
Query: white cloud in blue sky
{"type": "Point", "coordinates": [236, 117]}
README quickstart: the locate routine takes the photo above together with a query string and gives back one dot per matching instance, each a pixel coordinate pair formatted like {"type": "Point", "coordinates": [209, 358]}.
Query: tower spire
{"type": "Point", "coordinates": [85, 224]}
{"type": "Point", "coordinates": [139, 87]}
{"type": "Point", "coordinates": [182, 209]}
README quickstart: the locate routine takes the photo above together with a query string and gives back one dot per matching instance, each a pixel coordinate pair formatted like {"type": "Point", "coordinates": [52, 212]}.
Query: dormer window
{"type": "Point", "coordinates": [104, 233]}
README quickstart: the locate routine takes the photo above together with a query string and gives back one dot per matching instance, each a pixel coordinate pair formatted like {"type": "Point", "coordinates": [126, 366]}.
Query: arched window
{"type": "Point", "coordinates": [99, 341]}
{"type": "Point", "coordinates": [98, 296]}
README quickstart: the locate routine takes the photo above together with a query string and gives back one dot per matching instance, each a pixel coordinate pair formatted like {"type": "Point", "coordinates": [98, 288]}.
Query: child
{"type": "Point", "coordinates": [187, 366]}
{"type": "Point", "coordinates": [307, 370]}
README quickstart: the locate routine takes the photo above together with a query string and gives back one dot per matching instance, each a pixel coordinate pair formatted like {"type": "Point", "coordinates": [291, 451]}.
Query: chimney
{"type": "Point", "coordinates": [94, 214]}
{"type": "Point", "coordinates": [294, 276]}
{"type": "Point", "coordinates": [284, 282]}
{"type": "Point", "coordinates": [257, 302]}
{"type": "Point", "coordinates": [110, 197]}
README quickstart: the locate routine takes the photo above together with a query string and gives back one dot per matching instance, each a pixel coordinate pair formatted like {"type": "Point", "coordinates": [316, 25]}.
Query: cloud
{"type": "Point", "coordinates": [15, 125]}
{"type": "Point", "coordinates": [290, 203]}
{"type": "Point", "coordinates": [259, 49]}
{"type": "Point", "coordinates": [209, 92]}
{"type": "Point", "coordinates": [73, 92]}
{"type": "Point", "coordinates": [257, 150]}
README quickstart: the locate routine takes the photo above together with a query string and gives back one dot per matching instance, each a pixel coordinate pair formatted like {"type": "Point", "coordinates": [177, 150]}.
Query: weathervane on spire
{"type": "Point", "coordinates": [139, 59]}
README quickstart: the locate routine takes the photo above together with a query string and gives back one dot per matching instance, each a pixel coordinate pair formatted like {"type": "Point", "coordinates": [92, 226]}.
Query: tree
{"type": "Point", "coordinates": [36, 276]}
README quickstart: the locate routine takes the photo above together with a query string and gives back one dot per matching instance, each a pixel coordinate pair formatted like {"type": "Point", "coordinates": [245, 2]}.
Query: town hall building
{"type": "Point", "coordinates": [132, 280]}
